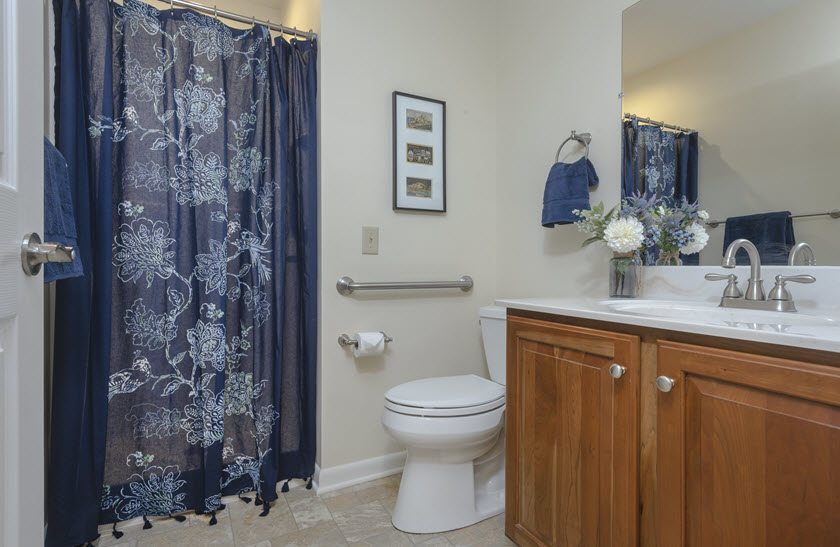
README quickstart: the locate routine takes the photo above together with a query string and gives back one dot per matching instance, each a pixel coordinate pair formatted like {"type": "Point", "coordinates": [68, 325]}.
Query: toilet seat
{"type": "Point", "coordinates": [445, 412]}
{"type": "Point", "coordinates": [446, 392]}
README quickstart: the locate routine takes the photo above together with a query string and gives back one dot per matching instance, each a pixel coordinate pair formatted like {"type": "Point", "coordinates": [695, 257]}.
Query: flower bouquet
{"type": "Point", "coordinates": [626, 231]}
{"type": "Point", "coordinates": [679, 230]}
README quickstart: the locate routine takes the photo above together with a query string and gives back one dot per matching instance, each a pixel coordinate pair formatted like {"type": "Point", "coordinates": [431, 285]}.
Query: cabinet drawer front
{"type": "Point", "coordinates": [747, 450]}
{"type": "Point", "coordinates": [571, 436]}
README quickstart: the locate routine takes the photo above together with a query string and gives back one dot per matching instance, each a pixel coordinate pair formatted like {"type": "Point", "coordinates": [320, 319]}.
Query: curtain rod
{"type": "Point", "coordinates": [834, 213]}
{"type": "Point", "coordinates": [658, 124]}
{"type": "Point", "coordinates": [211, 10]}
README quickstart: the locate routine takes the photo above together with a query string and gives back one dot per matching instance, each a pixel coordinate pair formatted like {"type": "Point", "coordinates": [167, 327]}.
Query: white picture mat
{"type": "Point", "coordinates": [434, 139]}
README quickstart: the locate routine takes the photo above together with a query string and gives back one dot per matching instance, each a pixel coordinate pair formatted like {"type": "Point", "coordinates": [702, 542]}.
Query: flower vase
{"type": "Point", "coordinates": [669, 258]}
{"type": "Point", "coordinates": [625, 275]}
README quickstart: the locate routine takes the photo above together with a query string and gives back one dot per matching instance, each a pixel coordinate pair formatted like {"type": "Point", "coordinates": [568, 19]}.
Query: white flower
{"type": "Point", "coordinates": [703, 215]}
{"type": "Point", "coordinates": [661, 210]}
{"type": "Point", "coordinates": [701, 238]}
{"type": "Point", "coordinates": [624, 235]}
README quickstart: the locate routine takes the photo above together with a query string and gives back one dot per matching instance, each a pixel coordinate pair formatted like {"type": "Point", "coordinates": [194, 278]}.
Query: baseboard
{"type": "Point", "coordinates": [349, 474]}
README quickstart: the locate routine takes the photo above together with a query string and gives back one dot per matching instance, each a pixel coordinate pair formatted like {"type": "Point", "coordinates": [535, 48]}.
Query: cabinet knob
{"type": "Point", "coordinates": [665, 384]}
{"type": "Point", "coordinates": [617, 371]}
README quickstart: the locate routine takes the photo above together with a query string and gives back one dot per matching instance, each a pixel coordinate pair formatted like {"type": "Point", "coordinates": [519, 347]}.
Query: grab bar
{"type": "Point", "coordinates": [346, 286]}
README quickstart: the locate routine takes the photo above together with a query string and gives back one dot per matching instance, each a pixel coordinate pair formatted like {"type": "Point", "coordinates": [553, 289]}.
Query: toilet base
{"type": "Point", "coordinates": [435, 496]}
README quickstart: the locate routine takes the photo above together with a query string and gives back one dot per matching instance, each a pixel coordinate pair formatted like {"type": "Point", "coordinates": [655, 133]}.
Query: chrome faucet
{"type": "Point", "coordinates": [780, 298]}
{"type": "Point", "coordinates": [805, 250]}
{"type": "Point", "coordinates": [755, 287]}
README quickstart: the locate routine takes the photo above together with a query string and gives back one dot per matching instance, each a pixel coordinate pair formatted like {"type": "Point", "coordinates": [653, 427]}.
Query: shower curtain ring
{"type": "Point", "coordinates": [215, 12]}
{"type": "Point", "coordinates": [253, 22]}
{"type": "Point", "coordinates": [171, 7]}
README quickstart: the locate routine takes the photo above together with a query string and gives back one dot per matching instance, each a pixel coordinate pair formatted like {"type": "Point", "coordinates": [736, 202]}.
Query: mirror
{"type": "Point", "coordinates": [759, 82]}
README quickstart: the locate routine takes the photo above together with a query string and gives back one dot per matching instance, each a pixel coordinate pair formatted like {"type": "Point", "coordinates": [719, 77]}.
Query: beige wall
{"type": "Point", "coordinates": [559, 69]}
{"type": "Point", "coordinates": [768, 134]}
{"type": "Point", "coordinates": [369, 48]}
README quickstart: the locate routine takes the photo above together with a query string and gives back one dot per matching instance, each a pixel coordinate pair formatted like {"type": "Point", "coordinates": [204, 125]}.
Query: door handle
{"type": "Point", "coordinates": [617, 371]}
{"type": "Point", "coordinates": [665, 384]}
{"type": "Point", "coordinates": [33, 253]}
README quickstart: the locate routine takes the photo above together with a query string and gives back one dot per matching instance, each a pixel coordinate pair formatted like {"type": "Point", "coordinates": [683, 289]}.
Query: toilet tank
{"type": "Point", "coordinates": [493, 322]}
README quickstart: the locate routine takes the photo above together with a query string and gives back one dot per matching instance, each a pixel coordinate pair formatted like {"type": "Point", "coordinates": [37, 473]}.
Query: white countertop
{"type": "Point", "coordinates": [694, 309]}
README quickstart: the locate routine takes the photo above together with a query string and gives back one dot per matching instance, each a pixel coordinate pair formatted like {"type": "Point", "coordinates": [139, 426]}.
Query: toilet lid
{"type": "Point", "coordinates": [446, 392]}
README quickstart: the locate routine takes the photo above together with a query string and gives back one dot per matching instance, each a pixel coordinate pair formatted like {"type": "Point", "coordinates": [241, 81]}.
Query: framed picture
{"type": "Point", "coordinates": [419, 153]}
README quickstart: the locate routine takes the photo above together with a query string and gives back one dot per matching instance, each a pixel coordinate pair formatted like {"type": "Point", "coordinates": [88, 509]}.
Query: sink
{"type": "Point", "coordinates": [712, 314]}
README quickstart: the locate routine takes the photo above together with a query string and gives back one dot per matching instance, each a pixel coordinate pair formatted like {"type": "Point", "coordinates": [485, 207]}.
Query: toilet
{"type": "Point", "coordinates": [453, 431]}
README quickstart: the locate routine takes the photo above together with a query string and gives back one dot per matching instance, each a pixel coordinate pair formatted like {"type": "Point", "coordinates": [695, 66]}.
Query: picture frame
{"type": "Point", "coordinates": [419, 136]}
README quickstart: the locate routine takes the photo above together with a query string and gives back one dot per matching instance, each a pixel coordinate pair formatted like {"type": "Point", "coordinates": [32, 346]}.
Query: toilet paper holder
{"type": "Point", "coordinates": [345, 340]}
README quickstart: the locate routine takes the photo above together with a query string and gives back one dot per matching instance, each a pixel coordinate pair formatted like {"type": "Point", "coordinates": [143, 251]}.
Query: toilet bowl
{"type": "Point", "coordinates": [453, 431]}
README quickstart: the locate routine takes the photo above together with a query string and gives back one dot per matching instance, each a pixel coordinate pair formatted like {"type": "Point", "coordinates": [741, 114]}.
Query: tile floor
{"type": "Point", "coordinates": [359, 515]}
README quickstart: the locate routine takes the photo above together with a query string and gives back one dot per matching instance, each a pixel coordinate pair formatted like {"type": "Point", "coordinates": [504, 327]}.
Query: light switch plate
{"type": "Point", "coordinates": [370, 240]}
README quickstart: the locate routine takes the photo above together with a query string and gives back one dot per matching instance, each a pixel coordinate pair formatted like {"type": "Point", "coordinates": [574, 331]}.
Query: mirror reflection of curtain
{"type": "Point", "coordinates": [659, 164]}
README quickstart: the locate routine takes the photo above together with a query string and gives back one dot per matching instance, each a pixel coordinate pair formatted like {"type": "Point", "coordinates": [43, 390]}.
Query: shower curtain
{"type": "Point", "coordinates": [659, 164]}
{"type": "Point", "coordinates": [185, 358]}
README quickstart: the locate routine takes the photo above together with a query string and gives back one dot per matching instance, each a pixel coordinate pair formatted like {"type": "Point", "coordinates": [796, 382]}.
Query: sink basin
{"type": "Point", "coordinates": [710, 313]}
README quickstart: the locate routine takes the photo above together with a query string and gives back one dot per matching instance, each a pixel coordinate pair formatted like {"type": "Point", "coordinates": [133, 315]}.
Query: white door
{"type": "Point", "coordinates": [21, 296]}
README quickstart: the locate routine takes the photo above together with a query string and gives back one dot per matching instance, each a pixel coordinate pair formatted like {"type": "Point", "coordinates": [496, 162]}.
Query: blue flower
{"type": "Point", "coordinates": [160, 423]}
{"type": "Point", "coordinates": [137, 15]}
{"type": "Point", "coordinates": [140, 250]}
{"type": "Point", "coordinates": [264, 422]}
{"type": "Point", "coordinates": [257, 302]}
{"type": "Point", "coordinates": [144, 83]}
{"type": "Point", "coordinates": [200, 179]}
{"type": "Point", "coordinates": [245, 167]}
{"type": "Point", "coordinates": [154, 492]}
{"type": "Point", "coordinates": [197, 105]}
{"type": "Point", "coordinates": [148, 328]}
{"type": "Point", "coordinates": [149, 175]}
{"type": "Point", "coordinates": [208, 35]}
{"type": "Point", "coordinates": [240, 393]}
{"type": "Point", "coordinates": [205, 420]}
{"type": "Point", "coordinates": [212, 268]}
{"type": "Point", "coordinates": [207, 344]}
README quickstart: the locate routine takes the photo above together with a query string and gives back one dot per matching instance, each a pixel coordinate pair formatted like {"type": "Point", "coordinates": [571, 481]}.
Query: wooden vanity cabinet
{"type": "Point", "coordinates": [571, 467]}
{"type": "Point", "coordinates": [748, 450]}
{"type": "Point", "coordinates": [743, 450]}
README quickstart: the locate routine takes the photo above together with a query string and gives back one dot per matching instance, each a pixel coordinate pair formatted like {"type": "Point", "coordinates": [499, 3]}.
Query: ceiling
{"type": "Point", "coordinates": [656, 31]}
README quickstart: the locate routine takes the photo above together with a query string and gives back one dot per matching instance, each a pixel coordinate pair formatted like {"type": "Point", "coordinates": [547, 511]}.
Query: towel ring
{"type": "Point", "coordinates": [583, 138]}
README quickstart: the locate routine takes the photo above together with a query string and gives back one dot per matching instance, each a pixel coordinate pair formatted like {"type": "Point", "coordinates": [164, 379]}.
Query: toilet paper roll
{"type": "Point", "coordinates": [369, 343]}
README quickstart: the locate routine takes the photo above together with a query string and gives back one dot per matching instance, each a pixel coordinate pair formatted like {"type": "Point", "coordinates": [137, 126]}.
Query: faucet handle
{"type": "Point", "coordinates": [780, 292]}
{"type": "Point", "coordinates": [731, 290]}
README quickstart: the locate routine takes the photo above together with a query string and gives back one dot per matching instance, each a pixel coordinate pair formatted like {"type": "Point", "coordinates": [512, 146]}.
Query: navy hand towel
{"type": "Point", "coordinates": [771, 233]}
{"type": "Point", "coordinates": [567, 189]}
{"type": "Point", "coordinates": [59, 221]}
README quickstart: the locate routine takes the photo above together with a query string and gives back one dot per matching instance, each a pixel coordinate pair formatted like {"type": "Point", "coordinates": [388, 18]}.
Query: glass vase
{"type": "Point", "coordinates": [669, 258]}
{"type": "Point", "coordinates": [625, 275]}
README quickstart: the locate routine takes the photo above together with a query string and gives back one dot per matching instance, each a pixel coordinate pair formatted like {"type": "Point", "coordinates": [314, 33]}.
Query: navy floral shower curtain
{"type": "Point", "coordinates": [659, 164]}
{"type": "Point", "coordinates": [193, 147]}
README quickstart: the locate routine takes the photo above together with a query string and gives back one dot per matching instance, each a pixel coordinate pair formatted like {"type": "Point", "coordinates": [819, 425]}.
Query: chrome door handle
{"type": "Point", "coordinates": [33, 253]}
{"type": "Point", "coordinates": [665, 384]}
{"type": "Point", "coordinates": [617, 371]}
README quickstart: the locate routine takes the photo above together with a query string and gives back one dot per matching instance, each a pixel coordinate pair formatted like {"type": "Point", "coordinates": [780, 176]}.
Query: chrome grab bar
{"type": "Point", "coordinates": [346, 286]}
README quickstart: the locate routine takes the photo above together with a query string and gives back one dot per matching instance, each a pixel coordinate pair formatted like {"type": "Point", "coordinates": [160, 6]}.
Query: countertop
{"type": "Point", "coordinates": [694, 310]}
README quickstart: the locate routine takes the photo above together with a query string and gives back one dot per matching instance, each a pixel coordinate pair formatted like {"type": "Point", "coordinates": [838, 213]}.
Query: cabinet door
{"type": "Point", "coordinates": [572, 477]}
{"type": "Point", "coordinates": [748, 450]}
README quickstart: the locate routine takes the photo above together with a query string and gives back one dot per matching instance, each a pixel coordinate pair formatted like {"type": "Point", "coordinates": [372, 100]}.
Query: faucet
{"type": "Point", "coordinates": [755, 287]}
{"type": "Point", "coordinates": [780, 298]}
{"type": "Point", "coordinates": [806, 251]}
